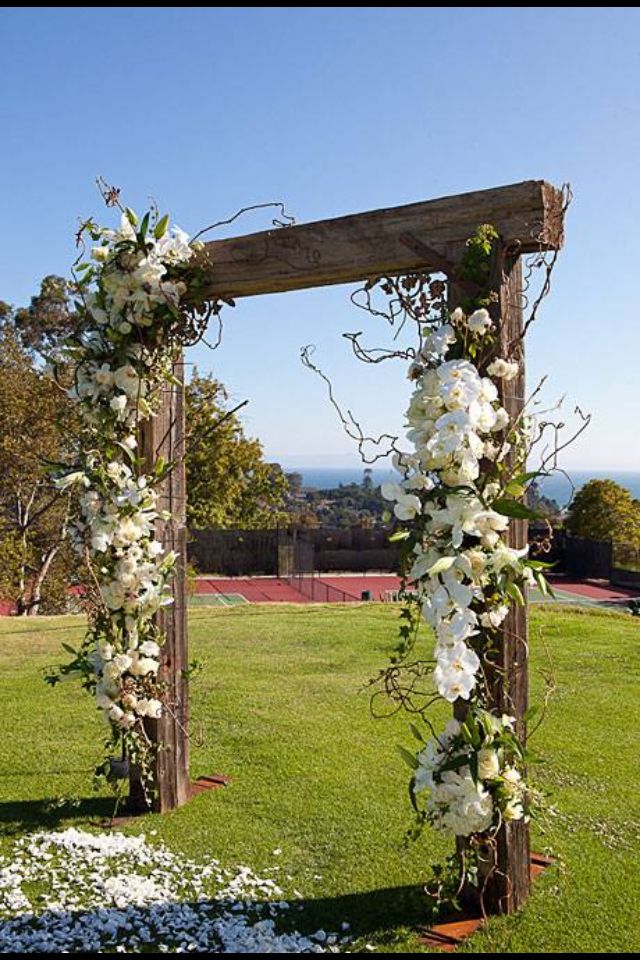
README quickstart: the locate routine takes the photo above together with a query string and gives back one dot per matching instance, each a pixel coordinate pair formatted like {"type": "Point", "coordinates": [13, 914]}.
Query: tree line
{"type": "Point", "coordinates": [230, 483]}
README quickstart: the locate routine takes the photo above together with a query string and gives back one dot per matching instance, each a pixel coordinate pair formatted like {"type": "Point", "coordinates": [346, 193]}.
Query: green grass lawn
{"type": "Point", "coordinates": [282, 711]}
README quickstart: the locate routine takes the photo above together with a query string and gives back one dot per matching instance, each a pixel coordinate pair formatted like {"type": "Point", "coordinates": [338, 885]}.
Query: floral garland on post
{"type": "Point", "coordinates": [460, 487]}
{"type": "Point", "coordinates": [131, 298]}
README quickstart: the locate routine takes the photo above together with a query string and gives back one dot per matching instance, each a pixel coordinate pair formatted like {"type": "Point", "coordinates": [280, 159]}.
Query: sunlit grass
{"type": "Point", "coordinates": [282, 708]}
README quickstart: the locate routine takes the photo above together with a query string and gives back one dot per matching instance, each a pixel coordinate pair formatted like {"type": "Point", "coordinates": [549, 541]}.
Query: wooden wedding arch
{"type": "Point", "coordinates": [426, 236]}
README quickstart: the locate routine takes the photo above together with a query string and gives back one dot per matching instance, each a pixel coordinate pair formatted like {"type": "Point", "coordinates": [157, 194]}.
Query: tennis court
{"type": "Point", "coordinates": [351, 588]}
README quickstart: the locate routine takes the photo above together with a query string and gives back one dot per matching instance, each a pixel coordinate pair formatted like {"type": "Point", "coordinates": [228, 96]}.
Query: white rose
{"type": "Point", "coordinates": [154, 709]}
{"type": "Point", "coordinates": [480, 321]}
{"type": "Point", "coordinates": [488, 764]}
{"type": "Point", "coordinates": [503, 369]}
{"type": "Point", "coordinates": [143, 666]}
{"type": "Point", "coordinates": [502, 420]}
{"type": "Point", "coordinates": [149, 648]}
{"type": "Point", "coordinates": [115, 713]}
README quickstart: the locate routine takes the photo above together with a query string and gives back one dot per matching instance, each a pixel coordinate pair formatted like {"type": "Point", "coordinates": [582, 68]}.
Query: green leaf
{"type": "Point", "coordinates": [444, 563]}
{"type": "Point", "coordinates": [399, 535]}
{"type": "Point", "coordinates": [131, 217]}
{"type": "Point", "coordinates": [161, 227]}
{"type": "Point", "coordinates": [514, 591]}
{"type": "Point", "coordinates": [416, 733]}
{"type": "Point", "coordinates": [142, 232]}
{"type": "Point", "coordinates": [514, 509]}
{"type": "Point", "coordinates": [409, 758]}
{"type": "Point", "coordinates": [523, 478]}
{"type": "Point", "coordinates": [514, 489]}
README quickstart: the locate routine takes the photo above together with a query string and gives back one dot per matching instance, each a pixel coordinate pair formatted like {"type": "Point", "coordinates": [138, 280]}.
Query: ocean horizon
{"type": "Point", "coordinates": [557, 487]}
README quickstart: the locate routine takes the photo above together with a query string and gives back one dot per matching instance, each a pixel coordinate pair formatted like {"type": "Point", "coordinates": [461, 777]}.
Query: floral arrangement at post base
{"type": "Point", "coordinates": [462, 482]}
{"type": "Point", "coordinates": [134, 295]}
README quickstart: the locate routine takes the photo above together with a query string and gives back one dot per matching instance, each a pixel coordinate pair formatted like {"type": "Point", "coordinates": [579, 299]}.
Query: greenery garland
{"type": "Point", "coordinates": [131, 297]}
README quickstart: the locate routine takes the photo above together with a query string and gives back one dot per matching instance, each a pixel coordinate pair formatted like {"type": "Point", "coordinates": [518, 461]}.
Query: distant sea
{"type": "Point", "coordinates": [557, 487]}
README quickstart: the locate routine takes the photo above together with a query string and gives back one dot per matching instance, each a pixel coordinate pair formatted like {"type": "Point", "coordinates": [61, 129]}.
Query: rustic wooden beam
{"type": "Point", "coordinates": [528, 216]}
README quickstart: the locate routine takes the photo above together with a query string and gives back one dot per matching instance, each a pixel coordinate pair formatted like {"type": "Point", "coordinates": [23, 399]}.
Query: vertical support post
{"type": "Point", "coordinates": [504, 878]}
{"type": "Point", "coordinates": [164, 436]}
{"type": "Point", "coordinates": [508, 881]}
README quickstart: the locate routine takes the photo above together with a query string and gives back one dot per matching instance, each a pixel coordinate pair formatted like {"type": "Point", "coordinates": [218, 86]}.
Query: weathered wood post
{"type": "Point", "coordinates": [507, 879]}
{"type": "Point", "coordinates": [164, 436]}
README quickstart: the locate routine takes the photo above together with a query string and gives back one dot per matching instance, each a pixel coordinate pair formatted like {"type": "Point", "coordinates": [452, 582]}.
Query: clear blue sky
{"type": "Point", "coordinates": [337, 110]}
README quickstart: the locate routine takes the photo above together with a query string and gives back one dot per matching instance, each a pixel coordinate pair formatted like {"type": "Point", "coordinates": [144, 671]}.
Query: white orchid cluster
{"type": "Point", "coordinates": [455, 422]}
{"type": "Point", "coordinates": [123, 359]}
{"type": "Point", "coordinates": [471, 786]}
{"type": "Point", "coordinates": [454, 508]}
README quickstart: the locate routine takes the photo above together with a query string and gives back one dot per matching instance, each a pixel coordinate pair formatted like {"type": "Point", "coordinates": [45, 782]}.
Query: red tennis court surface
{"type": "Point", "coordinates": [598, 590]}
{"type": "Point", "coordinates": [274, 590]}
{"type": "Point", "coordinates": [350, 587]}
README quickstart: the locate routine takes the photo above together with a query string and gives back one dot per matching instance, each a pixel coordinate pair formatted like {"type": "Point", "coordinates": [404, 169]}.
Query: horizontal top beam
{"type": "Point", "coordinates": [365, 245]}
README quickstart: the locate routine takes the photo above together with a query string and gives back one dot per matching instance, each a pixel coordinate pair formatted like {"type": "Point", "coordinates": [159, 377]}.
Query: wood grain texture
{"type": "Point", "coordinates": [505, 875]}
{"type": "Point", "coordinates": [357, 247]}
{"type": "Point", "coordinates": [508, 886]}
{"type": "Point", "coordinates": [164, 436]}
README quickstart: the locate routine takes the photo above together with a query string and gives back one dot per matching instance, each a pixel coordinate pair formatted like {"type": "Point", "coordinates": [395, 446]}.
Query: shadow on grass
{"type": "Point", "coordinates": [22, 816]}
{"type": "Point", "coordinates": [381, 912]}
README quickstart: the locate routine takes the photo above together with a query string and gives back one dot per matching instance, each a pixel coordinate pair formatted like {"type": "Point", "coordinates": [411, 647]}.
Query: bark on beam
{"type": "Point", "coordinates": [349, 249]}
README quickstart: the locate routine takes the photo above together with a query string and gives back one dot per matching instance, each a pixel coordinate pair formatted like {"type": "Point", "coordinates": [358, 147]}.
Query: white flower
{"type": "Point", "coordinates": [439, 340]}
{"type": "Point", "coordinates": [128, 531]}
{"type": "Point", "coordinates": [455, 671]}
{"type": "Point", "coordinates": [127, 380]}
{"type": "Point", "coordinates": [115, 713]}
{"type": "Point", "coordinates": [480, 322]}
{"type": "Point", "coordinates": [119, 403]}
{"type": "Point", "coordinates": [77, 478]}
{"type": "Point", "coordinates": [143, 666]}
{"type": "Point", "coordinates": [503, 369]}
{"type": "Point", "coordinates": [100, 254]}
{"type": "Point", "coordinates": [154, 709]}
{"type": "Point", "coordinates": [407, 507]}
{"type": "Point", "coordinates": [508, 558]}
{"type": "Point", "coordinates": [494, 617]}
{"type": "Point", "coordinates": [149, 648]}
{"type": "Point", "coordinates": [122, 662]}
{"type": "Point", "coordinates": [113, 595]}
{"type": "Point", "coordinates": [391, 491]}
{"type": "Point", "coordinates": [502, 420]}
{"type": "Point", "coordinates": [488, 764]}
{"type": "Point", "coordinates": [513, 810]}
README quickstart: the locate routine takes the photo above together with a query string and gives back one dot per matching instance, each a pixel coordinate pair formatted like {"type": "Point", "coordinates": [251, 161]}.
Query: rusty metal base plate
{"type": "Point", "coordinates": [208, 783]}
{"type": "Point", "coordinates": [448, 935]}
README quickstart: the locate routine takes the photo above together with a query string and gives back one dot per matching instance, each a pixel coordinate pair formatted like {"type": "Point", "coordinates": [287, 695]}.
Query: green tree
{"type": "Point", "coordinates": [603, 510]}
{"type": "Point", "coordinates": [33, 515]}
{"type": "Point", "coordinates": [228, 481]}
{"type": "Point", "coordinates": [49, 318]}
